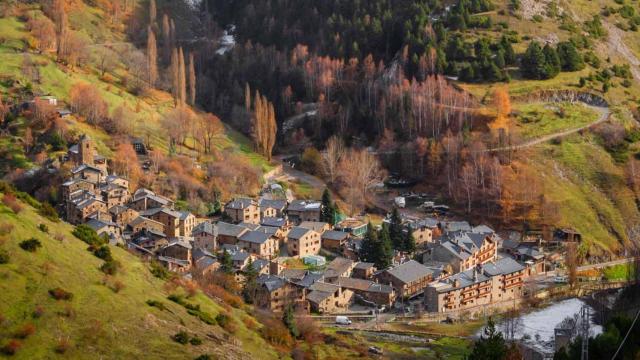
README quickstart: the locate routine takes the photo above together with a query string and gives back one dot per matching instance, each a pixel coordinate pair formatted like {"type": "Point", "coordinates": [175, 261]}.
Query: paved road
{"type": "Point", "coordinates": [604, 115]}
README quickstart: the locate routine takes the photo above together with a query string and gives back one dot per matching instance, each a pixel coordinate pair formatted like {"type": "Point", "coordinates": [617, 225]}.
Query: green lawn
{"type": "Point", "coordinates": [618, 272]}
{"type": "Point", "coordinates": [98, 321]}
{"type": "Point", "coordinates": [534, 120]}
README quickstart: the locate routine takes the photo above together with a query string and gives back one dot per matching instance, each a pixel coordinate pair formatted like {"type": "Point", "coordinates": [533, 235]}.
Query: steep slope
{"type": "Point", "coordinates": [100, 322]}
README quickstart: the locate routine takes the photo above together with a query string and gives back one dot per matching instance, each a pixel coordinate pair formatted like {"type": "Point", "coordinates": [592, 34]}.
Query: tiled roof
{"type": "Point", "coordinates": [240, 203]}
{"type": "Point", "coordinates": [256, 237]}
{"type": "Point", "coordinates": [271, 282]}
{"type": "Point", "coordinates": [273, 221]}
{"type": "Point", "coordinates": [317, 296]}
{"type": "Point", "coordinates": [227, 229]}
{"type": "Point", "coordinates": [316, 226]}
{"type": "Point", "coordinates": [205, 227]}
{"type": "Point", "coordinates": [298, 232]}
{"type": "Point", "coordinates": [335, 235]}
{"type": "Point", "coordinates": [276, 204]}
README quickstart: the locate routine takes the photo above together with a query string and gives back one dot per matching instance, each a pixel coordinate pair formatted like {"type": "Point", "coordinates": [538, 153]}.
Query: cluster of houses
{"type": "Point", "coordinates": [459, 266]}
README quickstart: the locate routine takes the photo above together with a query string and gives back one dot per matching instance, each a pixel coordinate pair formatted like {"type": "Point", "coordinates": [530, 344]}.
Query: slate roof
{"type": "Point", "coordinates": [227, 229]}
{"type": "Point", "coordinates": [256, 237]}
{"type": "Point", "coordinates": [96, 224]}
{"type": "Point", "coordinates": [316, 296]}
{"type": "Point", "coordinates": [316, 226]}
{"type": "Point", "coordinates": [269, 203]}
{"type": "Point", "coordinates": [304, 205]}
{"type": "Point", "coordinates": [335, 235]}
{"type": "Point", "coordinates": [297, 232]}
{"type": "Point", "coordinates": [151, 212]}
{"type": "Point", "coordinates": [118, 209]}
{"type": "Point", "coordinates": [269, 230]}
{"type": "Point", "coordinates": [141, 219]}
{"type": "Point", "coordinates": [503, 266]}
{"type": "Point", "coordinates": [74, 181]}
{"type": "Point", "coordinates": [338, 267]}
{"type": "Point", "coordinates": [205, 227]}
{"type": "Point", "coordinates": [410, 271]}
{"type": "Point", "coordinates": [250, 226]}
{"type": "Point", "coordinates": [257, 264]}
{"type": "Point", "coordinates": [457, 226]}
{"type": "Point", "coordinates": [240, 203]}
{"type": "Point", "coordinates": [364, 265]}
{"type": "Point", "coordinates": [273, 221]}
{"type": "Point", "coordinates": [364, 285]}
{"type": "Point", "coordinates": [240, 256]}
{"type": "Point", "coordinates": [271, 282]}
{"type": "Point", "coordinates": [84, 167]}
{"type": "Point", "coordinates": [482, 229]}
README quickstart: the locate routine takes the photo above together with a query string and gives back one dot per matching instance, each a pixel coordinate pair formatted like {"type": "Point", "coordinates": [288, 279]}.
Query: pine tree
{"type": "Point", "coordinates": [395, 229]}
{"type": "Point", "coordinates": [570, 59]}
{"type": "Point", "coordinates": [490, 346]}
{"type": "Point", "coordinates": [384, 248]}
{"type": "Point", "coordinates": [226, 264]}
{"type": "Point", "coordinates": [152, 57]}
{"type": "Point", "coordinates": [409, 241]}
{"type": "Point", "coordinates": [552, 62]}
{"type": "Point", "coordinates": [328, 211]}
{"type": "Point", "coordinates": [533, 62]}
{"type": "Point", "coordinates": [250, 286]}
{"type": "Point", "coordinates": [368, 249]}
{"type": "Point", "coordinates": [192, 80]}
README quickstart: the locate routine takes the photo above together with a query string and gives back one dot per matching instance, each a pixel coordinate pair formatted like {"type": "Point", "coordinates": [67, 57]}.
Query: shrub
{"type": "Point", "coordinates": [4, 256]}
{"type": "Point", "coordinates": [88, 235]}
{"type": "Point", "coordinates": [203, 316]}
{"type": "Point", "coordinates": [181, 337]}
{"type": "Point", "coordinates": [60, 294]}
{"type": "Point", "coordinates": [110, 267]}
{"type": "Point", "coordinates": [222, 319]}
{"type": "Point", "coordinates": [44, 228]}
{"type": "Point", "coordinates": [117, 286]}
{"type": "Point", "coordinates": [49, 212]}
{"type": "Point", "coordinates": [37, 312]}
{"type": "Point", "coordinates": [159, 271]}
{"type": "Point", "coordinates": [25, 331]}
{"type": "Point", "coordinates": [31, 245]}
{"type": "Point", "coordinates": [195, 341]}
{"type": "Point", "coordinates": [63, 345]}
{"type": "Point", "coordinates": [11, 348]}
{"type": "Point", "coordinates": [12, 203]}
{"type": "Point", "coordinates": [204, 357]}
{"type": "Point", "coordinates": [156, 304]}
{"type": "Point", "coordinates": [104, 253]}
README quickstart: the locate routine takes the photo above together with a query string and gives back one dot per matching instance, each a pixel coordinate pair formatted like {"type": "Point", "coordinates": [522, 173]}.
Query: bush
{"type": "Point", "coordinates": [222, 319]}
{"type": "Point", "coordinates": [44, 228]}
{"type": "Point", "coordinates": [195, 341]}
{"type": "Point", "coordinates": [204, 357]}
{"type": "Point", "coordinates": [37, 312]}
{"type": "Point", "coordinates": [4, 256]}
{"type": "Point", "coordinates": [88, 235]}
{"type": "Point", "coordinates": [110, 267]}
{"type": "Point", "coordinates": [60, 294]}
{"type": "Point", "coordinates": [159, 271]}
{"type": "Point", "coordinates": [31, 245]}
{"type": "Point", "coordinates": [48, 212]}
{"type": "Point", "coordinates": [181, 337]}
{"type": "Point", "coordinates": [12, 203]}
{"type": "Point", "coordinates": [11, 348]}
{"type": "Point", "coordinates": [203, 316]}
{"type": "Point", "coordinates": [63, 345]}
{"type": "Point", "coordinates": [25, 331]}
{"type": "Point", "coordinates": [156, 304]}
{"type": "Point", "coordinates": [117, 286]}
{"type": "Point", "coordinates": [104, 253]}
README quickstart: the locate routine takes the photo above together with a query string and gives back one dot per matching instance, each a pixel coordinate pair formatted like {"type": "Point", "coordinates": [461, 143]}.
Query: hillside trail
{"type": "Point", "coordinates": [604, 115]}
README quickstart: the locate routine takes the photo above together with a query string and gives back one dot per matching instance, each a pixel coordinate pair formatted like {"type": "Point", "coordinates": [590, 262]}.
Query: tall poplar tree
{"type": "Point", "coordinates": [192, 80]}
{"type": "Point", "coordinates": [152, 57]}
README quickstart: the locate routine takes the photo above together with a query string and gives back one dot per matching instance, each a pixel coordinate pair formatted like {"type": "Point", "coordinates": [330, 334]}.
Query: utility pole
{"type": "Point", "coordinates": [584, 313]}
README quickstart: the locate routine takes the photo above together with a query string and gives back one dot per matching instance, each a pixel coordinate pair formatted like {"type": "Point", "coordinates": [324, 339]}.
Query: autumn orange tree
{"type": "Point", "coordinates": [502, 103]}
{"type": "Point", "coordinates": [125, 163]}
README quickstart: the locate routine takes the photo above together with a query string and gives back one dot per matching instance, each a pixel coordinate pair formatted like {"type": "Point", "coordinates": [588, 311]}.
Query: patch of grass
{"type": "Point", "coordinates": [618, 272]}
{"type": "Point", "coordinates": [538, 119]}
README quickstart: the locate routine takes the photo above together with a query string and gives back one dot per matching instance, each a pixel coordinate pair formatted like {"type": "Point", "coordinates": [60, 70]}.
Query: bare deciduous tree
{"type": "Point", "coordinates": [331, 158]}
{"type": "Point", "coordinates": [359, 172]}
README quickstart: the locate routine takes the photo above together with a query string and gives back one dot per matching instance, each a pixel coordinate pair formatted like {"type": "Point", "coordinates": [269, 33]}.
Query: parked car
{"type": "Point", "coordinates": [343, 320]}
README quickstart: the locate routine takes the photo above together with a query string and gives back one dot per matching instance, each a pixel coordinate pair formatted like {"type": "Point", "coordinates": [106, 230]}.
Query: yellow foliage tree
{"type": "Point", "coordinates": [502, 103]}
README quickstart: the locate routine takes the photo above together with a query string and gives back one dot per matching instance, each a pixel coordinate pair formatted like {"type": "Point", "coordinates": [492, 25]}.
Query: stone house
{"type": "Point", "coordinates": [180, 250]}
{"type": "Point", "coordinates": [379, 294]}
{"type": "Point", "coordinates": [142, 223]}
{"type": "Point", "coordinates": [89, 173]}
{"type": "Point", "coordinates": [408, 279]}
{"type": "Point", "coordinates": [169, 218]}
{"type": "Point", "coordinates": [82, 205]}
{"type": "Point", "coordinates": [106, 226]}
{"type": "Point", "coordinates": [204, 262]}
{"type": "Point", "coordinates": [276, 294]}
{"type": "Point", "coordinates": [338, 267]}
{"type": "Point", "coordinates": [333, 240]}
{"type": "Point", "coordinates": [302, 242]}
{"type": "Point", "coordinates": [113, 194]}
{"type": "Point", "coordinates": [205, 236]}
{"type": "Point", "coordinates": [122, 215]}
{"type": "Point", "coordinates": [243, 210]}
{"type": "Point", "coordinates": [144, 199]}
{"type": "Point", "coordinates": [304, 210]}
{"type": "Point", "coordinates": [328, 298]}
{"type": "Point", "coordinates": [272, 208]}
{"type": "Point", "coordinates": [229, 233]}
{"type": "Point", "coordinates": [492, 283]}
{"type": "Point", "coordinates": [363, 270]}
{"type": "Point", "coordinates": [259, 243]}
{"type": "Point", "coordinates": [76, 184]}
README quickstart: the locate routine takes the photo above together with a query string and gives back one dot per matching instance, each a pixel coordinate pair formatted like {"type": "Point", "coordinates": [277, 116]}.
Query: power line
{"type": "Point", "coordinates": [627, 335]}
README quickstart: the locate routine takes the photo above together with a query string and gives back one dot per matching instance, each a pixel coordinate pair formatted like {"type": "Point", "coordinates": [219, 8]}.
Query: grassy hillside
{"type": "Point", "coordinates": [99, 322]}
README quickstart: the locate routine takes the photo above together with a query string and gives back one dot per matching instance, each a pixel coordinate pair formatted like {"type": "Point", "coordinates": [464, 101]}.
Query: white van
{"type": "Point", "coordinates": [343, 320]}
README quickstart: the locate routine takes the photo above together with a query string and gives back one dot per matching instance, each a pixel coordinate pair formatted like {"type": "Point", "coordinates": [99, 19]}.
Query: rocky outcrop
{"type": "Point", "coordinates": [564, 96]}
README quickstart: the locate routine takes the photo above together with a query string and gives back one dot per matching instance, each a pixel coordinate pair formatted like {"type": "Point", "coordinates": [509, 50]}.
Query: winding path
{"type": "Point", "coordinates": [604, 115]}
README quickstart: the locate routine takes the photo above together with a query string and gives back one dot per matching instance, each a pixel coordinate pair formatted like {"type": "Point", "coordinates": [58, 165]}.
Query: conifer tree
{"type": "Point", "coordinates": [570, 59]}
{"type": "Point", "coordinates": [552, 62]}
{"type": "Point", "coordinates": [395, 229]}
{"type": "Point", "coordinates": [385, 248]}
{"type": "Point", "coordinates": [533, 62]}
{"type": "Point", "coordinates": [328, 208]}
{"type": "Point", "coordinates": [226, 264]}
{"type": "Point", "coordinates": [409, 241]}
